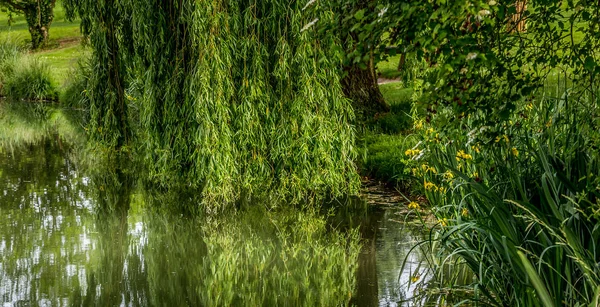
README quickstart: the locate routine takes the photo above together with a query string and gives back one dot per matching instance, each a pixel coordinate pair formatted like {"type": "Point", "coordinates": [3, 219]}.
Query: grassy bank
{"type": "Point", "coordinates": [41, 75]}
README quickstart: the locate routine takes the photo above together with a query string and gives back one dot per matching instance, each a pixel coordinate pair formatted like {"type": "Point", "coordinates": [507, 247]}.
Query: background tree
{"type": "Point", "coordinates": [360, 77]}
{"type": "Point", "coordinates": [39, 15]}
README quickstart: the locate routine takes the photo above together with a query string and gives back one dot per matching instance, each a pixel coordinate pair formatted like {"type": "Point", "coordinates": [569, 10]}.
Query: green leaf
{"type": "Point", "coordinates": [536, 281]}
{"type": "Point", "coordinates": [359, 15]}
{"type": "Point", "coordinates": [590, 63]}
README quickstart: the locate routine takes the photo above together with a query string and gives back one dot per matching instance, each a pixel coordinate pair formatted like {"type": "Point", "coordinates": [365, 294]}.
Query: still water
{"type": "Point", "coordinates": [99, 236]}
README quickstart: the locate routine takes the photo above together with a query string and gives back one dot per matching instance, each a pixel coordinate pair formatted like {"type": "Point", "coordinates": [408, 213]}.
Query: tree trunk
{"type": "Point", "coordinates": [402, 62]}
{"type": "Point", "coordinates": [360, 85]}
{"type": "Point", "coordinates": [39, 17]}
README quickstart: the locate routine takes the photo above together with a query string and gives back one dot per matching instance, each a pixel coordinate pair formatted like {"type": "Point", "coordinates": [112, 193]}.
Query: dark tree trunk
{"type": "Point", "coordinates": [402, 62]}
{"type": "Point", "coordinates": [39, 17]}
{"type": "Point", "coordinates": [360, 85]}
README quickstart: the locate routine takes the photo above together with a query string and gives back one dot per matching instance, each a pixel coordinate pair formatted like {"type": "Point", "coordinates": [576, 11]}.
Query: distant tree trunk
{"type": "Point", "coordinates": [360, 85]}
{"type": "Point", "coordinates": [39, 16]}
{"type": "Point", "coordinates": [518, 22]}
{"type": "Point", "coordinates": [402, 62]}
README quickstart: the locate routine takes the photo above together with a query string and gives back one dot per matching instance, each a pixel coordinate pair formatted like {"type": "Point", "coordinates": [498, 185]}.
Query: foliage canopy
{"type": "Point", "coordinates": [237, 98]}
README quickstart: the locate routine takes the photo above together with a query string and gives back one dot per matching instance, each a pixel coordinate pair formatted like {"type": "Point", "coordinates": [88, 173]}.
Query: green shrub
{"type": "Point", "coordinates": [28, 78]}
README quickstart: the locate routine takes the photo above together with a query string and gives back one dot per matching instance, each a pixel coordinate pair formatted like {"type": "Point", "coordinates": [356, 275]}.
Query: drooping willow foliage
{"type": "Point", "coordinates": [238, 98]}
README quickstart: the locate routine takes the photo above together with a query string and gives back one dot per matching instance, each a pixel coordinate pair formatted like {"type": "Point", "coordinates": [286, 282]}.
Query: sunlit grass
{"type": "Point", "coordinates": [62, 51]}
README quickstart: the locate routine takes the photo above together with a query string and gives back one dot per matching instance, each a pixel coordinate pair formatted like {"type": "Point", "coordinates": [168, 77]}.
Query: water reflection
{"type": "Point", "coordinates": [388, 242]}
{"type": "Point", "coordinates": [102, 239]}
{"type": "Point", "coordinates": [101, 236]}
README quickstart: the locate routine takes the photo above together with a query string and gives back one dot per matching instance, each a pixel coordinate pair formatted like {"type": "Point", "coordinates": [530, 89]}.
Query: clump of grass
{"type": "Point", "coordinates": [28, 78]}
{"type": "Point", "coordinates": [9, 52]}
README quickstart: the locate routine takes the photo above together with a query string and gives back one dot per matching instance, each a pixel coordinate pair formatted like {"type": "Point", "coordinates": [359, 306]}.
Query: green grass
{"type": "Point", "coordinates": [63, 49]}
{"type": "Point", "coordinates": [389, 68]}
{"type": "Point", "coordinates": [62, 61]}
{"type": "Point", "coordinates": [386, 139]}
{"type": "Point", "coordinates": [27, 78]}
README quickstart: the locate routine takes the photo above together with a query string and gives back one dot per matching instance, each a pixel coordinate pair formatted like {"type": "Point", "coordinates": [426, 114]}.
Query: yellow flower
{"type": "Point", "coordinates": [464, 212]}
{"type": "Point", "coordinates": [412, 152]}
{"type": "Point", "coordinates": [419, 124]}
{"type": "Point", "coordinates": [505, 137]}
{"type": "Point", "coordinates": [475, 174]}
{"type": "Point", "coordinates": [476, 149]}
{"type": "Point", "coordinates": [430, 131]}
{"type": "Point", "coordinates": [515, 152]}
{"type": "Point", "coordinates": [443, 222]}
{"type": "Point", "coordinates": [415, 278]}
{"type": "Point", "coordinates": [448, 175]}
{"type": "Point", "coordinates": [430, 186]}
{"type": "Point", "coordinates": [462, 155]}
{"type": "Point", "coordinates": [529, 107]}
{"type": "Point", "coordinates": [414, 205]}
{"type": "Point", "coordinates": [443, 190]}
{"type": "Point", "coordinates": [428, 168]}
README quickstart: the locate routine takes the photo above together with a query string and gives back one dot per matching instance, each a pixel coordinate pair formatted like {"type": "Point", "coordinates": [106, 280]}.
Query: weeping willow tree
{"type": "Point", "coordinates": [237, 98]}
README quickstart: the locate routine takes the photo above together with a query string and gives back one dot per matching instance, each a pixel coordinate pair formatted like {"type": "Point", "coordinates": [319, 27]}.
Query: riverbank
{"type": "Point", "coordinates": [384, 140]}
{"type": "Point", "coordinates": [41, 75]}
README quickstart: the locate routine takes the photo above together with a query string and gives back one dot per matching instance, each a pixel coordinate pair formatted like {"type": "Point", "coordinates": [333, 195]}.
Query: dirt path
{"type": "Point", "coordinates": [383, 80]}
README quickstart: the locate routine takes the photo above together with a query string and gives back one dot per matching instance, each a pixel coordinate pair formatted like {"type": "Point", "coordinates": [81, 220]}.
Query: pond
{"type": "Point", "coordinates": [75, 234]}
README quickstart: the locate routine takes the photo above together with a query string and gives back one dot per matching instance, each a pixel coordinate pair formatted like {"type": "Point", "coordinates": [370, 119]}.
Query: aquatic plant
{"type": "Point", "coordinates": [520, 208]}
